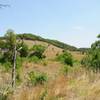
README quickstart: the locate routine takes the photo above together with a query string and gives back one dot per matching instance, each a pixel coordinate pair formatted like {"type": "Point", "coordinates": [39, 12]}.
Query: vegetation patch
{"type": "Point", "coordinates": [37, 78]}
{"type": "Point", "coordinates": [65, 58]}
{"type": "Point", "coordinates": [92, 59]}
{"type": "Point", "coordinates": [38, 50]}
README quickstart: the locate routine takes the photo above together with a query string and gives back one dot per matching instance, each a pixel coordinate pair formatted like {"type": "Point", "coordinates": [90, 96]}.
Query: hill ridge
{"type": "Point", "coordinates": [30, 36]}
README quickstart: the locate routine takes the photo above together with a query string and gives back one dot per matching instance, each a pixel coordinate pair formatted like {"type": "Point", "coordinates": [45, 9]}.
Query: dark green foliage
{"type": "Point", "coordinates": [24, 50]}
{"type": "Point", "coordinates": [10, 39]}
{"type": "Point", "coordinates": [7, 66]}
{"type": "Point", "coordinates": [34, 59]}
{"type": "Point", "coordinates": [29, 36]}
{"type": "Point", "coordinates": [37, 78]}
{"type": "Point", "coordinates": [66, 58]}
{"type": "Point", "coordinates": [3, 45]}
{"type": "Point", "coordinates": [38, 50]}
{"type": "Point", "coordinates": [7, 56]}
{"type": "Point", "coordinates": [92, 60]}
{"type": "Point", "coordinates": [83, 50]}
{"type": "Point", "coordinates": [98, 36]}
{"type": "Point", "coordinates": [10, 42]}
{"type": "Point", "coordinates": [61, 45]}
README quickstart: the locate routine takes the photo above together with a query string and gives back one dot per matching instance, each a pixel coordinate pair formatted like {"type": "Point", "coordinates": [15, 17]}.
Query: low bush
{"type": "Point", "coordinates": [37, 78]}
{"type": "Point", "coordinates": [7, 66]}
{"type": "Point", "coordinates": [38, 50]}
{"type": "Point", "coordinates": [65, 58]}
{"type": "Point", "coordinates": [34, 59]}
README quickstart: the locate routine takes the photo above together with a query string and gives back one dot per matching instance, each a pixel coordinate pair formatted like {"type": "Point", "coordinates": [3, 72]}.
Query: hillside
{"type": "Point", "coordinates": [48, 78]}
{"type": "Point", "coordinates": [28, 36]}
{"type": "Point", "coordinates": [53, 46]}
{"type": "Point", "coordinates": [32, 37]}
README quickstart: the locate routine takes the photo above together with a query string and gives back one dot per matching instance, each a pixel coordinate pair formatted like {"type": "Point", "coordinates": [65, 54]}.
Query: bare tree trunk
{"type": "Point", "coordinates": [14, 69]}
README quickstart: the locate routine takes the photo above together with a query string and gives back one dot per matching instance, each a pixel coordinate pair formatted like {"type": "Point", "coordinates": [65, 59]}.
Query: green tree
{"type": "Point", "coordinates": [98, 36]}
{"type": "Point", "coordinates": [92, 60]}
{"type": "Point", "coordinates": [10, 41]}
{"type": "Point", "coordinates": [10, 38]}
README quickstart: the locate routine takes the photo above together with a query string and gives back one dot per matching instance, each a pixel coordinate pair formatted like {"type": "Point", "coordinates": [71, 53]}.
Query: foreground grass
{"type": "Point", "coordinates": [77, 84]}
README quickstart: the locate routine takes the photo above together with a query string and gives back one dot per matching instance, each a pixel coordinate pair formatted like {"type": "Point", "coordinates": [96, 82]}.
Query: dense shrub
{"type": "Point", "coordinates": [34, 59]}
{"type": "Point", "coordinates": [38, 50]}
{"type": "Point", "coordinates": [37, 78]}
{"type": "Point", "coordinates": [8, 49]}
{"type": "Point", "coordinates": [66, 58]}
{"type": "Point", "coordinates": [24, 50]}
{"type": "Point", "coordinates": [7, 66]}
{"type": "Point", "coordinates": [7, 57]}
{"type": "Point", "coordinates": [3, 45]}
{"type": "Point", "coordinates": [29, 36]}
{"type": "Point", "coordinates": [92, 60]}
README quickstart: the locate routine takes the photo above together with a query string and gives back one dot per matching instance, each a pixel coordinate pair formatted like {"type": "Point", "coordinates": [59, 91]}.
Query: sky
{"type": "Point", "coordinates": [75, 22]}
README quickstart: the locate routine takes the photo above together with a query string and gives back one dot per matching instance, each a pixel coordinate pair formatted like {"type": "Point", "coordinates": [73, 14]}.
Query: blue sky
{"type": "Point", "coordinates": [75, 22]}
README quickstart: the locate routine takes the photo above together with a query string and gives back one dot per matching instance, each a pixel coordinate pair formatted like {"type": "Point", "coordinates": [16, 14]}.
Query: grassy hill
{"type": "Point", "coordinates": [61, 81]}
{"type": "Point", "coordinates": [59, 44]}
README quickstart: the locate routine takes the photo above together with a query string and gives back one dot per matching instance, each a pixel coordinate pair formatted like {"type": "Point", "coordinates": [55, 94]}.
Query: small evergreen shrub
{"type": "Point", "coordinates": [65, 58]}
{"type": "Point", "coordinates": [38, 50]}
{"type": "Point", "coordinates": [37, 78]}
{"type": "Point", "coordinates": [34, 59]}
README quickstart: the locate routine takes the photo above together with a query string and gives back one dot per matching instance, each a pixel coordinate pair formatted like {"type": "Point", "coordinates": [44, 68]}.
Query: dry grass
{"type": "Point", "coordinates": [30, 43]}
{"type": "Point", "coordinates": [77, 55]}
{"type": "Point", "coordinates": [52, 51]}
{"type": "Point", "coordinates": [79, 84]}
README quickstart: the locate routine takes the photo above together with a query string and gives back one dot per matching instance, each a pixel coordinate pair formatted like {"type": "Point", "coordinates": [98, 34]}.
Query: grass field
{"type": "Point", "coordinates": [77, 84]}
